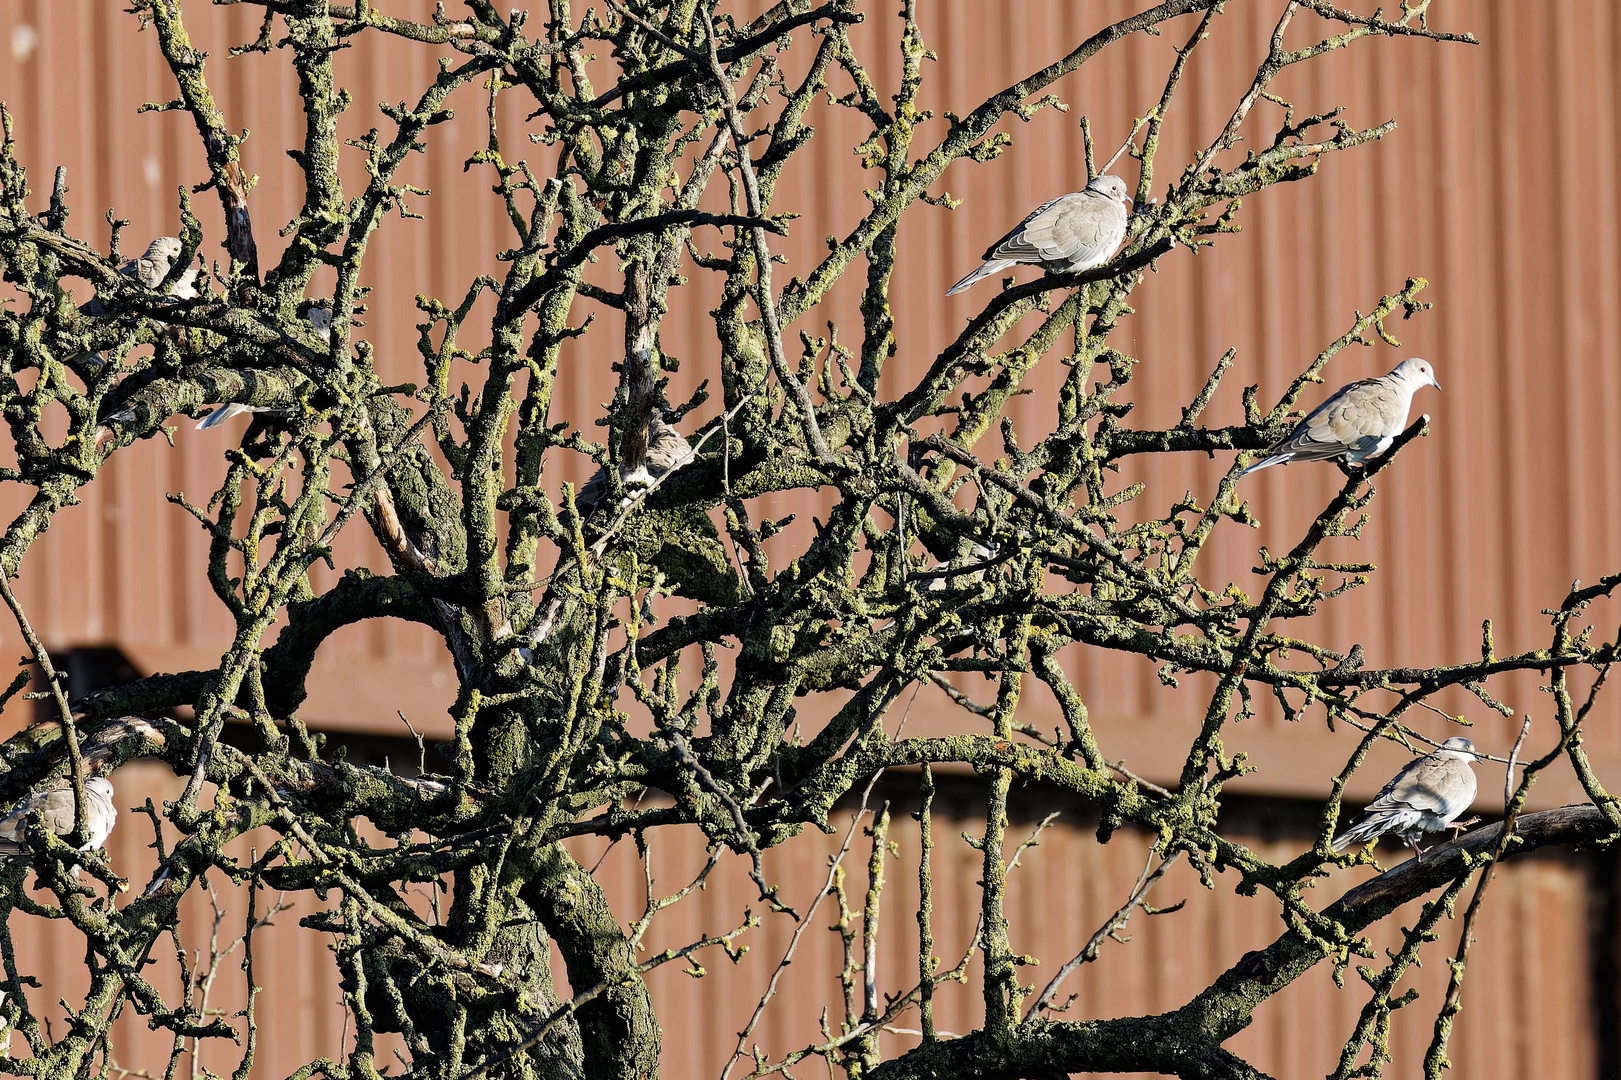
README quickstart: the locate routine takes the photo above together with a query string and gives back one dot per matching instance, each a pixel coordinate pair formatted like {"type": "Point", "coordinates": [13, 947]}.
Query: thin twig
{"type": "Point", "coordinates": [1089, 952]}
{"type": "Point", "coordinates": [1435, 1057]}
{"type": "Point", "coordinates": [1136, 126]}
{"type": "Point", "coordinates": [1513, 758]}
{"type": "Point", "coordinates": [764, 298]}
{"type": "Point", "coordinates": [810, 913]}
{"type": "Point", "coordinates": [1120, 767]}
{"type": "Point", "coordinates": [64, 712]}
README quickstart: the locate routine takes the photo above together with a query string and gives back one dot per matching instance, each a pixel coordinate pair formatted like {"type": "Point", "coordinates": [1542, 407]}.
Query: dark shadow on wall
{"type": "Point", "coordinates": [87, 670]}
{"type": "Point", "coordinates": [959, 801]}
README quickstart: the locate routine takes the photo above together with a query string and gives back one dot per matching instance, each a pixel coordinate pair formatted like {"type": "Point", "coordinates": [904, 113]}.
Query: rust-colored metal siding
{"type": "Point", "coordinates": [1490, 187]}
{"type": "Point", "coordinates": [1497, 186]}
{"type": "Point", "coordinates": [1529, 999]}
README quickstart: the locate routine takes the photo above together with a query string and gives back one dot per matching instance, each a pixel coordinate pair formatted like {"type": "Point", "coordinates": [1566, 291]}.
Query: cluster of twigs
{"type": "Point", "coordinates": [935, 556]}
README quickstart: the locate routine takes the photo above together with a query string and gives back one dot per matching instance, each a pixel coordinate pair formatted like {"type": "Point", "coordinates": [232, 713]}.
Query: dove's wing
{"type": "Point", "coordinates": [1079, 230]}
{"type": "Point", "coordinates": [56, 810]}
{"type": "Point", "coordinates": [1440, 784]}
{"type": "Point", "coordinates": [1041, 236]}
{"type": "Point", "coordinates": [1355, 418]}
{"type": "Point", "coordinates": [11, 828]}
{"type": "Point", "coordinates": [55, 807]}
{"type": "Point", "coordinates": [224, 413]}
{"type": "Point", "coordinates": [667, 448]}
{"type": "Point", "coordinates": [149, 269]}
{"type": "Point", "coordinates": [1086, 230]}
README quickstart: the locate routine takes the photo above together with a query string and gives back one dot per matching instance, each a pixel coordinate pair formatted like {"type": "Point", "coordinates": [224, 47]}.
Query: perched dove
{"type": "Point", "coordinates": [321, 319]}
{"type": "Point", "coordinates": [1359, 420]}
{"type": "Point", "coordinates": [150, 270]}
{"type": "Point", "coordinates": [1073, 232]}
{"type": "Point", "coordinates": [941, 573]}
{"type": "Point", "coordinates": [667, 450]}
{"type": "Point", "coordinates": [56, 809]}
{"type": "Point", "coordinates": [1428, 795]}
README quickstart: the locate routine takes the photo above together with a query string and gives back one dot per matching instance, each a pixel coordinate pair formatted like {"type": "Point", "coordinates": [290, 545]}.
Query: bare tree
{"type": "Point", "coordinates": [937, 555]}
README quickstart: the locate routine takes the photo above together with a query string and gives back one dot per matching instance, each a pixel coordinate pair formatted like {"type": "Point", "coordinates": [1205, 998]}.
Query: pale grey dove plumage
{"type": "Point", "coordinates": [321, 319]}
{"type": "Point", "coordinates": [56, 811]}
{"type": "Point", "coordinates": [667, 450]}
{"type": "Point", "coordinates": [1428, 795]}
{"type": "Point", "coordinates": [1358, 421]}
{"type": "Point", "coordinates": [150, 270]}
{"type": "Point", "coordinates": [1066, 235]}
{"type": "Point", "coordinates": [940, 577]}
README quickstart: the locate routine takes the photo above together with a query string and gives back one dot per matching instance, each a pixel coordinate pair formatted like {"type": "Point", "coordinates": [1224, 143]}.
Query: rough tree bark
{"type": "Point", "coordinates": [937, 554]}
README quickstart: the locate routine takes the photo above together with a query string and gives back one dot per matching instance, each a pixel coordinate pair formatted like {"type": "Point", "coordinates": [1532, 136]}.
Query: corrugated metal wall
{"type": "Point", "coordinates": [1530, 999]}
{"type": "Point", "coordinates": [1497, 186]}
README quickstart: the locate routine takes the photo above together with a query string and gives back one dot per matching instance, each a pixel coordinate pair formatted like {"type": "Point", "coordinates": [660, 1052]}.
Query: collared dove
{"type": "Point", "coordinates": [1359, 420]}
{"type": "Point", "coordinates": [150, 270]}
{"type": "Point", "coordinates": [56, 809]}
{"type": "Point", "coordinates": [667, 450]}
{"type": "Point", "coordinates": [1428, 795]}
{"type": "Point", "coordinates": [941, 574]}
{"type": "Point", "coordinates": [321, 319]}
{"type": "Point", "coordinates": [1073, 232]}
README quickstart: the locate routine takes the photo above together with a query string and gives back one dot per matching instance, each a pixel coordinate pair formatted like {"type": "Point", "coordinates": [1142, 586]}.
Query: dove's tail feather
{"type": "Point", "coordinates": [1370, 828]}
{"type": "Point", "coordinates": [986, 269]}
{"type": "Point", "coordinates": [220, 415]}
{"type": "Point", "coordinates": [1268, 462]}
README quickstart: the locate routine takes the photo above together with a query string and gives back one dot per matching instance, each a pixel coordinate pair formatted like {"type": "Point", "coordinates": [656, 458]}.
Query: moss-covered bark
{"type": "Point", "coordinates": [937, 555]}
